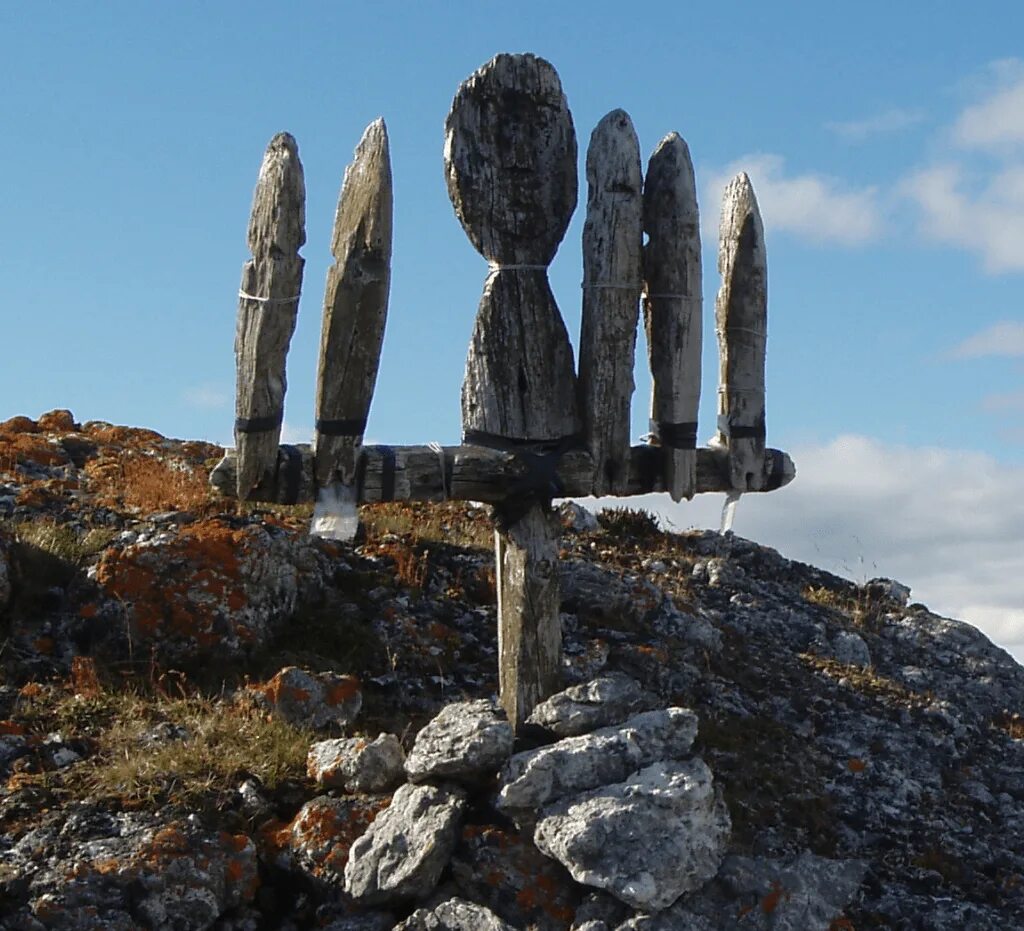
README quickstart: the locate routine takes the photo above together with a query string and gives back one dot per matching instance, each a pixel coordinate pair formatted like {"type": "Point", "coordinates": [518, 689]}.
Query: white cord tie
{"type": "Point", "coordinates": [267, 300]}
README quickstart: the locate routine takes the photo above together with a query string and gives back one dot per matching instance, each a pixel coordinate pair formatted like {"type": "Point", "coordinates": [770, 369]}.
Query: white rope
{"type": "Point", "coordinates": [587, 286]}
{"type": "Point", "coordinates": [439, 450]}
{"type": "Point", "coordinates": [267, 300]}
{"type": "Point", "coordinates": [496, 267]}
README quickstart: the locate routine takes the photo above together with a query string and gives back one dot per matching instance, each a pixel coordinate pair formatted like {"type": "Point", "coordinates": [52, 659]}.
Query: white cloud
{"type": "Point", "coordinates": [1000, 339]}
{"type": "Point", "coordinates": [208, 396]}
{"type": "Point", "coordinates": [987, 219]}
{"type": "Point", "coordinates": [996, 122]}
{"type": "Point", "coordinates": [889, 121]}
{"type": "Point", "coordinates": [946, 522]}
{"type": "Point", "coordinates": [810, 205]}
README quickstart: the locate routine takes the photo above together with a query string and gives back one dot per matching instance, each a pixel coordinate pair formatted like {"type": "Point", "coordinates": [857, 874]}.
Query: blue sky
{"type": "Point", "coordinates": [886, 148]}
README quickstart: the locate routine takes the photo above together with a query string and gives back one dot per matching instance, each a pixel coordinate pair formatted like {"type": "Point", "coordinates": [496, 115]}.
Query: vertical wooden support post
{"type": "Point", "coordinates": [355, 312]}
{"type": "Point", "coordinates": [510, 163]}
{"type": "Point", "coordinates": [741, 321]}
{"type": "Point", "coordinates": [268, 303]}
{"type": "Point", "coordinates": [612, 247]}
{"type": "Point", "coordinates": [672, 310]}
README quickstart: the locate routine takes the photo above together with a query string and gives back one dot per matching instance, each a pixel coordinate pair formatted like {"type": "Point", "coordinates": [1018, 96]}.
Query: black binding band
{"type": "Point", "coordinates": [259, 424]}
{"type": "Point", "coordinates": [740, 431]}
{"type": "Point", "coordinates": [677, 435]}
{"type": "Point", "coordinates": [292, 473]}
{"type": "Point", "coordinates": [355, 426]}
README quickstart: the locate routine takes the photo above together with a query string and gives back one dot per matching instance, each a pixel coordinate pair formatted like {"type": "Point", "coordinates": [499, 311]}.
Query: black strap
{"type": "Point", "coordinates": [355, 426]}
{"type": "Point", "coordinates": [259, 424]}
{"type": "Point", "coordinates": [678, 435]}
{"type": "Point", "coordinates": [755, 431]}
{"type": "Point", "coordinates": [292, 473]}
{"type": "Point", "coordinates": [539, 483]}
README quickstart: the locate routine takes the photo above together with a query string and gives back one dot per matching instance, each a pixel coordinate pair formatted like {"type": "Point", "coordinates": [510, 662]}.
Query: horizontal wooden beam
{"type": "Point", "coordinates": [479, 473]}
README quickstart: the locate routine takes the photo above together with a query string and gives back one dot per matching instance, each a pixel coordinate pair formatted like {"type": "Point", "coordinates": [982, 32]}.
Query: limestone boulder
{"type": "Point", "coordinates": [661, 833]}
{"type": "Point", "coordinates": [310, 699]}
{"type": "Point", "coordinates": [536, 778]}
{"type": "Point", "coordinates": [608, 699]}
{"type": "Point", "coordinates": [357, 764]}
{"type": "Point", "coordinates": [405, 850]}
{"type": "Point", "coordinates": [454, 915]}
{"type": "Point", "coordinates": [465, 740]}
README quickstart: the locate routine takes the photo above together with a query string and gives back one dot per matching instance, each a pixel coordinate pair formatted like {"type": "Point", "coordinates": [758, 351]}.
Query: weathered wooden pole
{"type": "Point", "coordinates": [355, 312]}
{"type": "Point", "coordinates": [481, 473]}
{"type": "Point", "coordinates": [741, 322]}
{"type": "Point", "coordinates": [510, 163]}
{"type": "Point", "coordinates": [268, 302]}
{"type": "Point", "coordinates": [612, 248]}
{"type": "Point", "coordinates": [672, 310]}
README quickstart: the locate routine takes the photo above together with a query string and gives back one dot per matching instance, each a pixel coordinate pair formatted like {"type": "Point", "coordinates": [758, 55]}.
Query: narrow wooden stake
{"type": "Point", "coordinates": [672, 309]}
{"type": "Point", "coordinates": [510, 162]}
{"type": "Point", "coordinates": [267, 307]}
{"type": "Point", "coordinates": [355, 308]}
{"type": "Point", "coordinates": [741, 321]}
{"type": "Point", "coordinates": [529, 654]}
{"type": "Point", "coordinates": [612, 247]}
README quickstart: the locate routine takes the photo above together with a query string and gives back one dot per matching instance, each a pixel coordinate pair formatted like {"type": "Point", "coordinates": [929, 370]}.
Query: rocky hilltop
{"type": "Point", "coordinates": [209, 719]}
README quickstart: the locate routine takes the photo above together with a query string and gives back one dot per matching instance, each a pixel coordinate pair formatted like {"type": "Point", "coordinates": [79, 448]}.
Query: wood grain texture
{"type": "Point", "coordinates": [673, 309]}
{"type": "Point", "coordinates": [529, 627]}
{"type": "Point", "coordinates": [266, 319]}
{"type": "Point", "coordinates": [355, 307]}
{"type": "Point", "coordinates": [510, 164]}
{"type": "Point", "coordinates": [481, 473]}
{"type": "Point", "coordinates": [612, 281]}
{"type": "Point", "coordinates": [741, 322]}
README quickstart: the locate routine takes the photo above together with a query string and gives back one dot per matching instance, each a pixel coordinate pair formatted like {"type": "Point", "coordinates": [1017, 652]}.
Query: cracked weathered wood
{"type": "Point", "coordinates": [672, 309]}
{"type": "Point", "coordinates": [741, 322]}
{"type": "Point", "coordinates": [267, 307]}
{"type": "Point", "coordinates": [355, 308]}
{"type": "Point", "coordinates": [529, 654]}
{"type": "Point", "coordinates": [510, 164]}
{"type": "Point", "coordinates": [612, 249]}
{"type": "Point", "coordinates": [481, 473]}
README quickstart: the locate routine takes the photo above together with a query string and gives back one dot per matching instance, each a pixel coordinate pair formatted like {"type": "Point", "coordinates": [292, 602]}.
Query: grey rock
{"type": "Point", "coordinates": [800, 893]}
{"type": "Point", "coordinates": [538, 777]}
{"type": "Point", "coordinates": [608, 699]}
{"type": "Point", "coordinates": [648, 840]}
{"type": "Point", "coordinates": [466, 739]}
{"type": "Point", "coordinates": [356, 764]}
{"type": "Point", "coordinates": [310, 699]}
{"type": "Point", "coordinates": [454, 915]}
{"type": "Point", "coordinates": [850, 649]}
{"type": "Point", "coordinates": [404, 851]}
{"type": "Point", "coordinates": [576, 517]}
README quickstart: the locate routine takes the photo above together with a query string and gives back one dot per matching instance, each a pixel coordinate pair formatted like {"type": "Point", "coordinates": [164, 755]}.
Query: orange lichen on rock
{"type": "Point", "coordinates": [58, 421]}
{"type": "Point", "coordinates": [19, 424]}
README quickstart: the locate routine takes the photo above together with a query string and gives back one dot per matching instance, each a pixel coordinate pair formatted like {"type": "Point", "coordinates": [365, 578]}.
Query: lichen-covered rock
{"type": "Point", "coordinates": [321, 835]}
{"type": "Point", "coordinates": [799, 893]}
{"type": "Point", "coordinates": [357, 764]}
{"type": "Point", "coordinates": [608, 699]}
{"type": "Point", "coordinates": [466, 739]}
{"type": "Point", "coordinates": [407, 847]}
{"type": "Point", "coordinates": [310, 699]}
{"type": "Point", "coordinates": [454, 915]}
{"type": "Point", "coordinates": [98, 871]}
{"type": "Point", "coordinates": [208, 589]}
{"type": "Point", "coordinates": [503, 869]}
{"type": "Point", "coordinates": [536, 778]}
{"type": "Point", "coordinates": [648, 840]}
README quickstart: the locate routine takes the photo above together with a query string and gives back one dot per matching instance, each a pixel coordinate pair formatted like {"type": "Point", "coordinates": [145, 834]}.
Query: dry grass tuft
{"type": "Point", "coordinates": [149, 484]}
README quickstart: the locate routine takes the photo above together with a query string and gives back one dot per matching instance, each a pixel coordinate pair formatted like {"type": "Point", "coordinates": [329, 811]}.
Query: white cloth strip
{"type": "Point", "coordinates": [268, 300]}
{"type": "Point", "coordinates": [439, 451]}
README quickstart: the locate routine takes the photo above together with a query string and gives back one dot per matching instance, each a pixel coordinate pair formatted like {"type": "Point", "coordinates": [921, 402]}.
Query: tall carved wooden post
{"type": "Point", "coordinates": [510, 161]}
{"type": "Point", "coordinates": [355, 312]}
{"type": "Point", "coordinates": [672, 310]}
{"type": "Point", "coordinates": [741, 320]}
{"type": "Point", "coordinates": [268, 303]}
{"type": "Point", "coordinates": [612, 248]}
